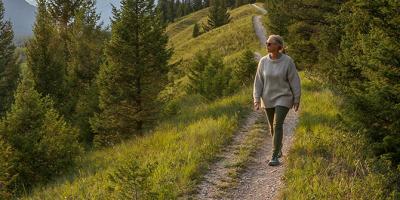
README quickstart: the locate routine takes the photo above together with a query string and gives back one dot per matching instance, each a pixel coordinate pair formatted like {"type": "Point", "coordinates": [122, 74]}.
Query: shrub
{"type": "Point", "coordinates": [208, 76]}
{"type": "Point", "coordinates": [44, 144]}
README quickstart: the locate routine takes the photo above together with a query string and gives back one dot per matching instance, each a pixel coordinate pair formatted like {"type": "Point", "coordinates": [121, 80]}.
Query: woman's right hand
{"type": "Point", "coordinates": [257, 105]}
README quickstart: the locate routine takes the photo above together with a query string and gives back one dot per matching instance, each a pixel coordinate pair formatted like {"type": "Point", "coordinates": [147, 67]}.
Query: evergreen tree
{"type": "Point", "coordinates": [245, 68]}
{"type": "Point", "coordinates": [65, 55]}
{"type": "Point", "coordinates": [9, 70]}
{"type": "Point", "coordinates": [163, 7]}
{"type": "Point", "coordinates": [86, 48]}
{"type": "Point", "coordinates": [181, 9]}
{"type": "Point", "coordinates": [188, 7]}
{"type": "Point", "coordinates": [171, 10]}
{"type": "Point", "coordinates": [208, 76]}
{"type": "Point", "coordinates": [7, 175]}
{"type": "Point", "coordinates": [196, 31]}
{"type": "Point", "coordinates": [197, 5]}
{"type": "Point", "coordinates": [45, 57]}
{"type": "Point", "coordinates": [230, 3]}
{"type": "Point", "coordinates": [64, 11]}
{"type": "Point", "coordinates": [370, 52]}
{"type": "Point", "coordinates": [206, 3]}
{"type": "Point", "coordinates": [352, 45]}
{"type": "Point", "coordinates": [44, 144]}
{"type": "Point", "coordinates": [218, 15]}
{"type": "Point", "coordinates": [238, 3]}
{"type": "Point", "coordinates": [134, 73]}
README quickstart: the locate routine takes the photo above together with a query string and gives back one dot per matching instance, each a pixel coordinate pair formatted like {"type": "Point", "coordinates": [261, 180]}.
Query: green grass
{"type": "Point", "coordinates": [182, 147]}
{"type": "Point", "coordinates": [328, 162]}
{"type": "Point", "coordinates": [228, 39]}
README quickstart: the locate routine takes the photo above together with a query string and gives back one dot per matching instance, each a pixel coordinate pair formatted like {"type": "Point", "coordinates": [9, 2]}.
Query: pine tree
{"type": "Point", "coordinates": [208, 75]}
{"type": "Point", "coordinates": [171, 10]}
{"type": "Point", "coordinates": [370, 52]}
{"type": "Point", "coordinates": [363, 69]}
{"type": "Point", "coordinates": [64, 11]}
{"type": "Point", "coordinates": [134, 73]}
{"type": "Point", "coordinates": [7, 173]}
{"type": "Point", "coordinates": [163, 7]}
{"type": "Point", "coordinates": [65, 55]}
{"type": "Point", "coordinates": [188, 7]}
{"type": "Point", "coordinates": [238, 3]}
{"type": "Point", "coordinates": [9, 70]}
{"type": "Point", "coordinates": [45, 57]}
{"type": "Point", "coordinates": [245, 68]}
{"type": "Point", "coordinates": [197, 5]}
{"type": "Point", "coordinates": [230, 3]}
{"type": "Point", "coordinates": [181, 10]}
{"type": "Point", "coordinates": [218, 15]}
{"type": "Point", "coordinates": [85, 48]}
{"type": "Point", "coordinates": [44, 144]}
{"type": "Point", "coordinates": [196, 31]}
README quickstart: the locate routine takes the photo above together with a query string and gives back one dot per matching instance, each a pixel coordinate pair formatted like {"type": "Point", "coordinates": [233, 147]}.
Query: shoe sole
{"type": "Point", "coordinates": [273, 164]}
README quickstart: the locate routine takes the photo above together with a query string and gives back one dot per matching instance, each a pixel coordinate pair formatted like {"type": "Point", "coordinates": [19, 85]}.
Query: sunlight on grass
{"type": "Point", "coordinates": [327, 162]}
{"type": "Point", "coordinates": [179, 148]}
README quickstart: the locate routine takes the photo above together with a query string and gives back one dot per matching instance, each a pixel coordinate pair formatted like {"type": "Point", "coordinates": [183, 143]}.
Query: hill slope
{"type": "Point", "coordinates": [229, 40]}
{"type": "Point", "coordinates": [178, 150]}
{"type": "Point", "coordinates": [21, 14]}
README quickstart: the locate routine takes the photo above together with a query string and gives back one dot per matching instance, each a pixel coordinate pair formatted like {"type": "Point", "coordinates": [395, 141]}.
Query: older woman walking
{"type": "Point", "coordinates": [276, 90]}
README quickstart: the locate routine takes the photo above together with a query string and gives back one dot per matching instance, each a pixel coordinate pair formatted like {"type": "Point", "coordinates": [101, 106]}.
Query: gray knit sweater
{"type": "Point", "coordinates": [276, 82]}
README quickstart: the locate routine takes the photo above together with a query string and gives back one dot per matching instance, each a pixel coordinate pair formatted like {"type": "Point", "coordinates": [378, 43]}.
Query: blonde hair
{"type": "Point", "coordinates": [279, 40]}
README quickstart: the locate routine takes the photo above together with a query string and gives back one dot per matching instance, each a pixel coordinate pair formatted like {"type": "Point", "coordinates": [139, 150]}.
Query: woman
{"type": "Point", "coordinates": [276, 90]}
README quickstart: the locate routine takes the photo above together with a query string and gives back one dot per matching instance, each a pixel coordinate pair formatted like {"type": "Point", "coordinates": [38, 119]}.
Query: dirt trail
{"type": "Point", "coordinates": [259, 30]}
{"type": "Point", "coordinates": [261, 181]}
{"type": "Point", "coordinates": [256, 179]}
{"type": "Point", "coordinates": [218, 174]}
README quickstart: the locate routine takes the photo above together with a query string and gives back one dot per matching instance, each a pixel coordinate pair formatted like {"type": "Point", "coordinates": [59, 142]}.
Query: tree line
{"type": "Point", "coordinates": [354, 47]}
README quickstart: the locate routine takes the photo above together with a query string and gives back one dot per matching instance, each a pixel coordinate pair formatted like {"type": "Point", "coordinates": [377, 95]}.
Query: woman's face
{"type": "Point", "coordinates": [272, 46]}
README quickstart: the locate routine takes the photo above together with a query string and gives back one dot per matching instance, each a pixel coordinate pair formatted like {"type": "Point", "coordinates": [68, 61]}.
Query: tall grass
{"type": "Point", "coordinates": [178, 150]}
{"type": "Point", "coordinates": [328, 162]}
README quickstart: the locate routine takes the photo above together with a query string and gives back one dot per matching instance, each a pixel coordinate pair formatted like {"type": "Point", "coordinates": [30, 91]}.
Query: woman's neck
{"type": "Point", "coordinates": [275, 55]}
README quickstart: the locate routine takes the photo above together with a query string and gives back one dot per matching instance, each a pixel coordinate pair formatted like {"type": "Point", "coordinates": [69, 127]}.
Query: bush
{"type": "Point", "coordinates": [208, 76]}
{"type": "Point", "coordinates": [245, 68]}
{"type": "Point", "coordinates": [132, 181]}
{"type": "Point", "coordinates": [6, 170]}
{"type": "Point", "coordinates": [44, 144]}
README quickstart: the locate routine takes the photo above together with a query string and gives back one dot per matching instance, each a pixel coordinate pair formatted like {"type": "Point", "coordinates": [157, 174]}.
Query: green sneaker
{"type": "Point", "coordinates": [274, 161]}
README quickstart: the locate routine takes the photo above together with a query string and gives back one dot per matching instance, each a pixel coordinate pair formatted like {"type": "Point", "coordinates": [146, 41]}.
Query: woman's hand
{"type": "Point", "coordinates": [257, 105]}
{"type": "Point", "coordinates": [296, 106]}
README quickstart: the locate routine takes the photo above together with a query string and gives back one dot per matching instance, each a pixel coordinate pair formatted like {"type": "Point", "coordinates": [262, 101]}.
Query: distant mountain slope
{"type": "Point", "coordinates": [22, 14]}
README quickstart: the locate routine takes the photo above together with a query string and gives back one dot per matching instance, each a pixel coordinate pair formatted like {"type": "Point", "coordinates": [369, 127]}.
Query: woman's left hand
{"type": "Point", "coordinates": [296, 106]}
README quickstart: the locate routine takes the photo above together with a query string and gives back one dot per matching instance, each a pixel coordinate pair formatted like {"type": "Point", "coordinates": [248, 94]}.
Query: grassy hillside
{"type": "Point", "coordinates": [172, 157]}
{"type": "Point", "coordinates": [179, 149]}
{"type": "Point", "coordinates": [229, 39]}
{"type": "Point", "coordinates": [328, 162]}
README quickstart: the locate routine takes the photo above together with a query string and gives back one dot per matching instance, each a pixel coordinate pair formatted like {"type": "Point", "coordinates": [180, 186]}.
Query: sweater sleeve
{"type": "Point", "coordinates": [294, 81]}
{"type": "Point", "coordinates": [258, 82]}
